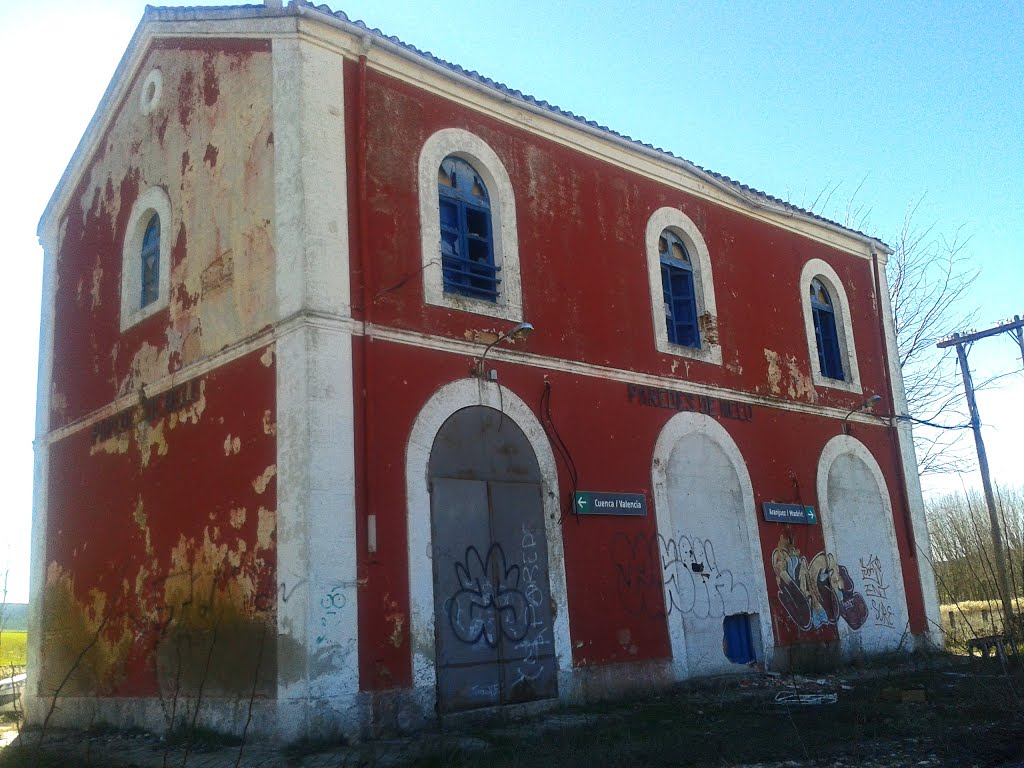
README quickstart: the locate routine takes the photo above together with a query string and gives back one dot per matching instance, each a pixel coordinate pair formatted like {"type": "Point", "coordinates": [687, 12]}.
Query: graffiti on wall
{"type": "Point", "coordinates": [816, 592]}
{"type": "Point", "coordinates": [489, 602]}
{"type": "Point", "coordinates": [530, 668]}
{"type": "Point", "coordinates": [694, 582]}
{"type": "Point", "coordinates": [504, 606]}
{"type": "Point", "coordinates": [875, 588]}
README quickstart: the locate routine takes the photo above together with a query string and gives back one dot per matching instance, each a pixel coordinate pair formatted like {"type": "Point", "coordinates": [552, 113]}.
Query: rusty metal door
{"type": "Point", "coordinates": [492, 619]}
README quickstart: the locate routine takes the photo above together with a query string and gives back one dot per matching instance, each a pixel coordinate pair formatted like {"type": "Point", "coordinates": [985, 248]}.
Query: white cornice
{"type": "Point", "coordinates": [397, 61]}
{"type": "Point", "coordinates": [349, 327]}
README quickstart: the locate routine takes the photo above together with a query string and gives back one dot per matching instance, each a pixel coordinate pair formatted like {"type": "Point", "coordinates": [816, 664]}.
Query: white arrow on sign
{"type": "Point", "coordinates": [580, 502]}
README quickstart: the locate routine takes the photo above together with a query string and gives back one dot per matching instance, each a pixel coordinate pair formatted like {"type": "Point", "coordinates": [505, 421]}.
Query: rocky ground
{"type": "Point", "coordinates": [938, 712]}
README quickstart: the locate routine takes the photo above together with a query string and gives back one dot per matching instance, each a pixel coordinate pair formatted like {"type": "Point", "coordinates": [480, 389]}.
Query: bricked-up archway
{"type": "Point", "coordinates": [710, 547]}
{"type": "Point", "coordinates": [857, 517]}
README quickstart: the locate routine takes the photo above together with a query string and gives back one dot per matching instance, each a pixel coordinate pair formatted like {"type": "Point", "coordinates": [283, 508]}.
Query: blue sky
{"type": "Point", "coordinates": [915, 99]}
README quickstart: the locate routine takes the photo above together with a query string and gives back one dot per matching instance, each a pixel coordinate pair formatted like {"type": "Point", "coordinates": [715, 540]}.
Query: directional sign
{"type": "Point", "coordinates": [788, 513]}
{"type": "Point", "coordinates": [590, 503]}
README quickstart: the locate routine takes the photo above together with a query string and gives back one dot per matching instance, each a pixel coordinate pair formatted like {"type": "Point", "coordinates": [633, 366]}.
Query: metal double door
{"type": "Point", "coordinates": [493, 628]}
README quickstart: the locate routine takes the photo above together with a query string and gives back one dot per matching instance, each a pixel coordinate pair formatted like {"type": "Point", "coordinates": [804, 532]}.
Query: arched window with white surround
{"type": "Point", "coordinates": [828, 326]}
{"type": "Point", "coordinates": [145, 258]}
{"type": "Point", "coordinates": [467, 252]}
{"type": "Point", "coordinates": [683, 308]}
{"type": "Point", "coordinates": [468, 242]}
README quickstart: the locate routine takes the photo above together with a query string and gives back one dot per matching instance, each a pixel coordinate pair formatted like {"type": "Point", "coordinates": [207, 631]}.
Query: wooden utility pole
{"type": "Point", "coordinates": [959, 340]}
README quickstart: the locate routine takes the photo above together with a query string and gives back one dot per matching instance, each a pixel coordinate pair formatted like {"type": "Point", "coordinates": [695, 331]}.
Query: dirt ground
{"type": "Point", "coordinates": [941, 711]}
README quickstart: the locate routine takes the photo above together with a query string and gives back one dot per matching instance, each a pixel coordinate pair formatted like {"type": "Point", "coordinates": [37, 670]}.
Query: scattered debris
{"type": "Point", "coordinates": [805, 699]}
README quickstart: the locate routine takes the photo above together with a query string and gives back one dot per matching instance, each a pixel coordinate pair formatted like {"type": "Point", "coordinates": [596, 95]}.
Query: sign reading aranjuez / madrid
{"type": "Point", "coordinates": [788, 513]}
{"type": "Point", "coordinates": [589, 503]}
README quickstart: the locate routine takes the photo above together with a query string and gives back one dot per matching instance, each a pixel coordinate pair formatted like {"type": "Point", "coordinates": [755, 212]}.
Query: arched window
{"type": "Point", "coordinates": [468, 242]}
{"type": "Point", "coordinates": [830, 359]}
{"type": "Point", "coordinates": [828, 325]}
{"type": "Point", "coordinates": [682, 289]}
{"type": "Point", "coordinates": [151, 262]}
{"type": "Point", "coordinates": [467, 249]}
{"type": "Point", "coordinates": [677, 290]}
{"type": "Point", "coordinates": [146, 258]}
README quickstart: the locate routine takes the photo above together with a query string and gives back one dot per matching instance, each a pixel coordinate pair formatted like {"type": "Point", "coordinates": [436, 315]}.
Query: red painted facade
{"type": "Point", "coordinates": [581, 229]}
{"type": "Point", "coordinates": [162, 488]}
{"type": "Point", "coordinates": [160, 520]}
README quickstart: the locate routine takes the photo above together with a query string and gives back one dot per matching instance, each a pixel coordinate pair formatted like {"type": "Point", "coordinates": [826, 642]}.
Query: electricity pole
{"type": "Point", "coordinates": [959, 340]}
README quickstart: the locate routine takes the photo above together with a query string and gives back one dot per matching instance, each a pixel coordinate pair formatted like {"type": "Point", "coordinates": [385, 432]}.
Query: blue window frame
{"type": "Point", "coordinates": [467, 245]}
{"type": "Point", "coordinates": [830, 358]}
{"type": "Point", "coordinates": [151, 262]}
{"type": "Point", "coordinates": [677, 290]}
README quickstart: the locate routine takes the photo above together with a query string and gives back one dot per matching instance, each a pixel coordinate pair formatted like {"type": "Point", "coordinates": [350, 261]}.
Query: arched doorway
{"type": "Point", "coordinates": [492, 603]}
{"type": "Point", "coordinates": [715, 598]}
{"type": "Point", "coordinates": [859, 529]}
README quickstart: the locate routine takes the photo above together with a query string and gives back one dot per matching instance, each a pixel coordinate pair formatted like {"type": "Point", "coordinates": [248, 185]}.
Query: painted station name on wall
{"type": "Point", "coordinates": [151, 409]}
{"type": "Point", "coordinates": [683, 401]}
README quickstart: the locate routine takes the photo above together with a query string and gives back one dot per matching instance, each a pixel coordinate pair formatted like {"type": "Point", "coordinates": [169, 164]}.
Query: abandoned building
{"type": "Point", "coordinates": [372, 390]}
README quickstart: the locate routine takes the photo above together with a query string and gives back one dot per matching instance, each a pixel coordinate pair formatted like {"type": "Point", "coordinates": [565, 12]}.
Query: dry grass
{"type": "Point", "coordinates": [974, 618]}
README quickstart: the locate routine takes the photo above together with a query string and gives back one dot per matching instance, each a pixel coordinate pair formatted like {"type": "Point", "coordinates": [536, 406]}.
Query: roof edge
{"type": "Point", "coordinates": [749, 196]}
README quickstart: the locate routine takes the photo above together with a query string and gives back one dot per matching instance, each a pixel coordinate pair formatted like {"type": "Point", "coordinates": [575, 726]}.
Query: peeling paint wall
{"type": "Point", "coordinates": [581, 225]}
{"type": "Point", "coordinates": [162, 540]}
{"type": "Point", "coordinates": [208, 144]}
{"type": "Point", "coordinates": [161, 561]}
{"type": "Point", "coordinates": [162, 514]}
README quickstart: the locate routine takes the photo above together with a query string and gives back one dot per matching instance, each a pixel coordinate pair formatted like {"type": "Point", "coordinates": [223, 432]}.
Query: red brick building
{"type": "Point", "coordinates": [297, 446]}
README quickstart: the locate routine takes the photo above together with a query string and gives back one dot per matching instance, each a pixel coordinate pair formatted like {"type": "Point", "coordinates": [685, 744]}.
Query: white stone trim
{"type": "Point", "coordinates": [317, 600]}
{"type": "Point", "coordinates": [816, 268]}
{"type": "Point", "coordinates": [703, 284]}
{"type": "Point", "coordinates": [838, 446]}
{"type": "Point", "coordinates": [34, 700]}
{"type": "Point", "coordinates": [452, 347]}
{"type": "Point", "coordinates": [446, 401]}
{"type": "Point", "coordinates": [152, 200]}
{"type": "Point", "coordinates": [311, 194]}
{"type": "Point", "coordinates": [675, 429]}
{"type": "Point", "coordinates": [151, 713]}
{"type": "Point", "coordinates": [474, 150]}
{"type": "Point", "coordinates": [905, 435]}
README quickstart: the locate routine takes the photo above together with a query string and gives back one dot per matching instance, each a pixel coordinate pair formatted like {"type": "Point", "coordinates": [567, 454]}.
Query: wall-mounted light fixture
{"type": "Point", "coordinates": [866, 407]}
{"type": "Point", "coordinates": [517, 333]}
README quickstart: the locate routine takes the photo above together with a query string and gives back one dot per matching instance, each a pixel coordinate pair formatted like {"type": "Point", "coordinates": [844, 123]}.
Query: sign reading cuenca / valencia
{"type": "Point", "coordinates": [788, 513]}
{"type": "Point", "coordinates": [590, 503]}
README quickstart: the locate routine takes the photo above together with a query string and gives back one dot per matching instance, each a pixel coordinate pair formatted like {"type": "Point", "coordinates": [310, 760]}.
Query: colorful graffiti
{"type": "Point", "coordinates": [816, 592]}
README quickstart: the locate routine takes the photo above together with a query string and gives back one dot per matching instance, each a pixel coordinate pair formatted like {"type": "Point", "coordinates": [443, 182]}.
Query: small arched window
{"type": "Point", "coordinates": [677, 290]}
{"type": "Point", "coordinates": [830, 357]}
{"type": "Point", "coordinates": [151, 262]}
{"type": "Point", "coordinates": [467, 248]}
